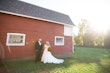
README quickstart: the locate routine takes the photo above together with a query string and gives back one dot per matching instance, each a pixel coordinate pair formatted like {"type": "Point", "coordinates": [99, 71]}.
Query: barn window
{"type": "Point", "coordinates": [15, 39]}
{"type": "Point", "coordinates": [59, 40]}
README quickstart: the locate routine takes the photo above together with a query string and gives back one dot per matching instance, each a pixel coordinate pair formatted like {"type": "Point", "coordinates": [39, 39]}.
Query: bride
{"type": "Point", "coordinates": [47, 56]}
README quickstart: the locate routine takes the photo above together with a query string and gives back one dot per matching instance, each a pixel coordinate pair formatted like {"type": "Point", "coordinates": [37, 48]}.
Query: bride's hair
{"type": "Point", "coordinates": [48, 43]}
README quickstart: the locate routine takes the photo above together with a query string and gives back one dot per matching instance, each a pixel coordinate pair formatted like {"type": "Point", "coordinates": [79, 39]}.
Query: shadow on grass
{"type": "Point", "coordinates": [36, 67]}
{"type": "Point", "coordinates": [89, 61]}
{"type": "Point", "coordinates": [103, 65]}
{"type": "Point", "coordinates": [98, 57]}
{"type": "Point", "coordinates": [68, 66]}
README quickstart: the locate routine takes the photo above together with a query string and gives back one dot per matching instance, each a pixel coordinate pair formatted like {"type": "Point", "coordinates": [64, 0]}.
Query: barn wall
{"type": "Point", "coordinates": [33, 29]}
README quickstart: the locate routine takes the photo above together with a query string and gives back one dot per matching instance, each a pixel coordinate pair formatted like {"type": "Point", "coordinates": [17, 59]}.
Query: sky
{"type": "Point", "coordinates": [97, 12]}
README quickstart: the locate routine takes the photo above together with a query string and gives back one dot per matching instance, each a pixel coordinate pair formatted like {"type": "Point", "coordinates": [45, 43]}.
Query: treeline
{"type": "Point", "coordinates": [90, 37]}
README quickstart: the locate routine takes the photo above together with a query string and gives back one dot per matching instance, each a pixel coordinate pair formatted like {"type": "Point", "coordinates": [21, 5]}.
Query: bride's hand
{"type": "Point", "coordinates": [43, 47]}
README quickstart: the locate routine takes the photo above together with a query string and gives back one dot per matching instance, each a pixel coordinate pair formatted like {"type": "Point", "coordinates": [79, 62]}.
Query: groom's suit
{"type": "Point", "coordinates": [38, 47]}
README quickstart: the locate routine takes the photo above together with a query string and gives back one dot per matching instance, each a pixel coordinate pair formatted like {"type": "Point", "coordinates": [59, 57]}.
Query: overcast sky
{"type": "Point", "coordinates": [97, 12]}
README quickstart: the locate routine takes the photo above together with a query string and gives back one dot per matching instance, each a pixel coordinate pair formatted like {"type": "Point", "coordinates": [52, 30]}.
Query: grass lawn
{"type": "Point", "coordinates": [84, 60]}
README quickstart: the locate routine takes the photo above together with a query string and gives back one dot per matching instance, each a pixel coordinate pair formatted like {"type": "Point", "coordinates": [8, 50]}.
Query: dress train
{"type": "Point", "coordinates": [47, 57]}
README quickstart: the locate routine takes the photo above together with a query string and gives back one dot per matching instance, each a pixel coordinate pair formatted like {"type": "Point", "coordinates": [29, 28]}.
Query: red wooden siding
{"type": "Point", "coordinates": [33, 29]}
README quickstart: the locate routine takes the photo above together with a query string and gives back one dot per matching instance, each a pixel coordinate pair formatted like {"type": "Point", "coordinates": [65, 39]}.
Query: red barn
{"type": "Point", "coordinates": [21, 24]}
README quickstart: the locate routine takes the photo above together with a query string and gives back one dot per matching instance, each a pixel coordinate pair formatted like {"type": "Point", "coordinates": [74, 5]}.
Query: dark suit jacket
{"type": "Point", "coordinates": [38, 47]}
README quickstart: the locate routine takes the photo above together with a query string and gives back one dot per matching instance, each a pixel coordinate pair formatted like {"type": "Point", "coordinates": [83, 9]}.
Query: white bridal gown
{"type": "Point", "coordinates": [47, 57]}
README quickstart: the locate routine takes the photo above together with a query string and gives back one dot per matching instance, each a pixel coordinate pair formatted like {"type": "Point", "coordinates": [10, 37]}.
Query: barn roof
{"type": "Point", "coordinates": [28, 10]}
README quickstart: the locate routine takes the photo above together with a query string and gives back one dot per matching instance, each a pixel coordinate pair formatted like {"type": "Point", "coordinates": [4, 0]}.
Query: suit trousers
{"type": "Point", "coordinates": [38, 55]}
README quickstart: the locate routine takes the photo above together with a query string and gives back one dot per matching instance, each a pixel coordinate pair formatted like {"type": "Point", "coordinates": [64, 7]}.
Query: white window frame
{"type": "Point", "coordinates": [59, 44]}
{"type": "Point", "coordinates": [13, 40]}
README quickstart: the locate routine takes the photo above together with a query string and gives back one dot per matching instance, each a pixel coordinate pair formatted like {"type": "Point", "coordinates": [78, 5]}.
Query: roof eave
{"type": "Point", "coordinates": [34, 17]}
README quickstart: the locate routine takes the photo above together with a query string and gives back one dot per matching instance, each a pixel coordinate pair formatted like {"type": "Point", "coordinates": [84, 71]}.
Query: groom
{"type": "Point", "coordinates": [38, 47]}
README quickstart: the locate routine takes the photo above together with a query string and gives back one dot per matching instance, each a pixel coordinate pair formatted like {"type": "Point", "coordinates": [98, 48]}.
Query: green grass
{"type": "Point", "coordinates": [84, 60]}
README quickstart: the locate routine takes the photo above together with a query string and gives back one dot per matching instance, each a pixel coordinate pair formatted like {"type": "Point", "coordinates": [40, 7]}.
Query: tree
{"type": "Point", "coordinates": [107, 40]}
{"type": "Point", "coordinates": [82, 26]}
{"type": "Point", "coordinates": [88, 36]}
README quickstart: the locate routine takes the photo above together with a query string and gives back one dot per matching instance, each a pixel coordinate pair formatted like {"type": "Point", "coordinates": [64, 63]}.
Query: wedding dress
{"type": "Point", "coordinates": [47, 57]}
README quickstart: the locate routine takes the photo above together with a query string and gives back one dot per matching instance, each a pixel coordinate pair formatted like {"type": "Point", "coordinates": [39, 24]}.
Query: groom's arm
{"type": "Point", "coordinates": [36, 46]}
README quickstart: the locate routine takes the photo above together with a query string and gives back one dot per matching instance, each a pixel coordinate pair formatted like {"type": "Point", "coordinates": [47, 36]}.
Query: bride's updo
{"type": "Point", "coordinates": [47, 43]}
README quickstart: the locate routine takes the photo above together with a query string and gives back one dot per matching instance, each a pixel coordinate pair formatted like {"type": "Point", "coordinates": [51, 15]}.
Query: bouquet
{"type": "Point", "coordinates": [49, 49]}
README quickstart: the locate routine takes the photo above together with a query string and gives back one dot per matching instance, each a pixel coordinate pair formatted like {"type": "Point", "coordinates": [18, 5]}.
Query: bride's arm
{"type": "Point", "coordinates": [44, 46]}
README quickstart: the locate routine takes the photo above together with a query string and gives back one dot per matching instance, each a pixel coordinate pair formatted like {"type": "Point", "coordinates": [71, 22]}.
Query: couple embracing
{"type": "Point", "coordinates": [46, 56]}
